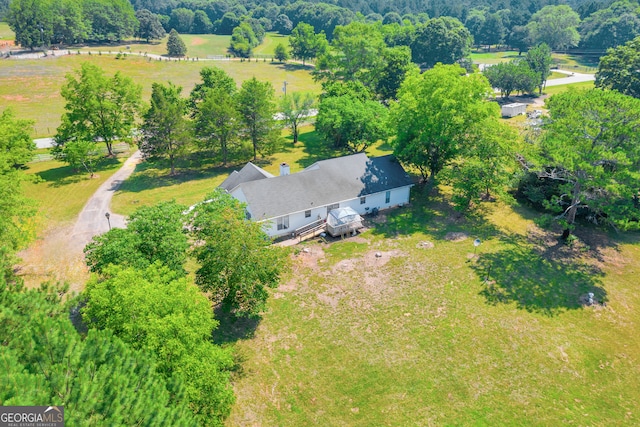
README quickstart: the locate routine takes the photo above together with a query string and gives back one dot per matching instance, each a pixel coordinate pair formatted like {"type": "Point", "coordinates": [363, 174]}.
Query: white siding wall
{"type": "Point", "coordinates": [399, 196]}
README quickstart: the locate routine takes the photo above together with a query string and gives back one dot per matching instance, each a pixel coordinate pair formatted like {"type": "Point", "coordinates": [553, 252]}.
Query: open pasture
{"type": "Point", "coordinates": [407, 324]}
{"type": "Point", "coordinates": [32, 87]}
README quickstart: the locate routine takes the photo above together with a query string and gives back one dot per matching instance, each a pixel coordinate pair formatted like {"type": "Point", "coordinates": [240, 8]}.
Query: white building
{"type": "Point", "coordinates": [289, 202]}
{"type": "Point", "coordinates": [515, 109]}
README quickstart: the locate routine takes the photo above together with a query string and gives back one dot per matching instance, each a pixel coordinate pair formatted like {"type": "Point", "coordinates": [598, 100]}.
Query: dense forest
{"type": "Point", "coordinates": [593, 24]}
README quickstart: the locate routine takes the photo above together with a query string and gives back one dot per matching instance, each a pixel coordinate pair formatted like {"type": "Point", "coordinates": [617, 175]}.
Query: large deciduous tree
{"type": "Point", "coordinates": [590, 146]}
{"type": "Point", "coordinates": [539, 60]}
{"type": "Point", "coordinates": [32, 22]}
{"type": "Point", "coordinates": [555, 26]}
{"type": "Point", "coordinates": [294, 109]}
{"type": "Point", "coordinates": [110, 20]}
{"type": "Point", "coordinates": [150, 27]}
{"type": "Point", "coordinates": [98, 108]}
{"type": "Point", "coordinates": [212, 78]}
{"type": "Point", "coordinates": [166, 133]}
{"type": "Point", "coordinates": [512, 76]}
{"type": "Point", "coordinates": [619, 69]}
{"type": "Point", "coordinates": [237, 261]}
{"type": "Point", "coordinates": [163, 313]}
{"type": "Point", "coordinates": [350, 123]}
{"type": "Point", "coordinates": [611, 27]}
{"type": "Point", "coordinates": [443, 40]}
{"type": "Point", "coordinates": [218, 123]}
{"type": "Point", "coordinates": [153, 233]}
{"type": "Point", "coordinates": [257, 107]}
{"type": "Point", "coordinates": [306, 44]}
{"type": "Point", "coordinates": [434, 114]}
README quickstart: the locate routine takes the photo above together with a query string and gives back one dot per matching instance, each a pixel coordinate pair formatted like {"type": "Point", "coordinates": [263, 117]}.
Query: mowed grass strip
{"type": "Point", "coordinates": [417, 337]}
{"type": "Point", "coordinates": [32, 87]}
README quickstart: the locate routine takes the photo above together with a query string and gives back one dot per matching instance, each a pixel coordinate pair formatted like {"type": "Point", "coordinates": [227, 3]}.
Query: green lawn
{"type": "Point", "coordinates": [61, 192]}
{"type": "Point", "coordinates": [5, 32]}
{"type": "Point", "coordinates": [268, 45]}
{"type": "Point", "coordinates": [552, 90]}
{"type": "Point", "coordinates": [32, 87]}
{"type": "Point", "coordinates": [417, 337]}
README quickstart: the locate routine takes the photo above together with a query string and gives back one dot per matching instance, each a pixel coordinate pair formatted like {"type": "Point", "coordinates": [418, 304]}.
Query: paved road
{"type": "Point", "coordinates": [92, 220]}
{"type": "Point", "coordinates": [571, 78]}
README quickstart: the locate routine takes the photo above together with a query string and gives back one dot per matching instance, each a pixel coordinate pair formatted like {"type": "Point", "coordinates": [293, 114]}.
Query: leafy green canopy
{"type": "Point", "coordinates": [237, 261]}
{"type": "Point", "coordinates": [175, 45]}
{"type": "Point", "coordinates": [257, 107]}
{"type": "Point", "coordinates": [618, 69]}
{"type": "Point", "coordinates": [590, 145]}
{"type": "Point", "coordinates": [99, 379]}
{"type": "Point", "coordinates": [351, 124]}
{"type": "Point", "coordinates": [166, 133]}
{"type": "Point", "coordinates": [163, 313]}
{"type": "Point", "coordinates": [434, 116]}
{"type": "Point", "coordinates": [98, 108]}
{"type": "Point", "coordinates": [16, 227]}
{"type": "Point", "coordinates": [153, 233]}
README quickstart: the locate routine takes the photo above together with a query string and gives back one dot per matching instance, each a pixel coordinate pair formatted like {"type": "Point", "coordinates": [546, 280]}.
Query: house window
{"type": "Point", "coordinates": [283, 222]}
{"type": "Point", "coordinates": [307, 214]}
{"type": "Point", "coordinates": [332, 207]}
{"type": "Point", "coordinates": [363, 200]}
{"type": "Point", "coordinates": [387, 197]}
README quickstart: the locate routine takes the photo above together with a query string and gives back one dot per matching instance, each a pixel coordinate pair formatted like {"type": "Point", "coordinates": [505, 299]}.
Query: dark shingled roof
{"type": "Point", "coordinates": [249, 172]}
{"type": "Point", "coordinates": [323, 183]}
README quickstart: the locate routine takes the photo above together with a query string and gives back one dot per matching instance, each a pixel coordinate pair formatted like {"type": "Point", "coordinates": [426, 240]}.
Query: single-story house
{"type": "Point", "coordinates": [289, 202]}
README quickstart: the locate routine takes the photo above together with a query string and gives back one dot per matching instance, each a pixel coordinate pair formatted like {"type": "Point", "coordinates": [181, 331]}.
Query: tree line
{"type": "Point", "coordinates": [592, 25]}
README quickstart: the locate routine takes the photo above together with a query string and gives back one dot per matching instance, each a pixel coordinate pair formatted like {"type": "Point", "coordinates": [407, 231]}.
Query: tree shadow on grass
{"type": "Point", "coordinates": [156, 174]}
{"type": "Point", "coordinates": [315, 149]}
{"type": "Point", "coordinates": [65, 175]}
{"type": "Point", "coordinates": [430, 212]}
{"type": "Point", "coordinates": [232, 328]}
{"type": "Point", "coordinates": [537, 283]}
{"type": "Point", "coordinates": [292, 66]}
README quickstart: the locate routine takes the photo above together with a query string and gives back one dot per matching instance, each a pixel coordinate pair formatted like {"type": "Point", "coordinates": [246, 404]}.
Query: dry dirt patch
{"type": "Point", "coordinates": [197, 41]}
{"type": "Point", "coordinates": [54, 258]}
{"type": "Point", "coordinates": [456, 236]}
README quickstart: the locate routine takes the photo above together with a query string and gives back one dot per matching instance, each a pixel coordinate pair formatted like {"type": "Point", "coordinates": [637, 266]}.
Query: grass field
{"type": "Point", "coordinates": [32, 87]}
{"type": "Point", "coordinates": [268, 45]}
{"type": "Point", "coordinates": [417, 337]}
{"type": "Point", "coordinates": [198, 45]}
{"type": "Point", "coordinates": [5, 32]}
{"type": "Point", "coordinates": [552, 90]}
{"type": "Point", "coordinates": [61, 192]}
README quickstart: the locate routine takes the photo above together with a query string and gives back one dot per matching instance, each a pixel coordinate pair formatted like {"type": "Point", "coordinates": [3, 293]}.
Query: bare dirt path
{"type": "Point", "coordinates": [58, 255]}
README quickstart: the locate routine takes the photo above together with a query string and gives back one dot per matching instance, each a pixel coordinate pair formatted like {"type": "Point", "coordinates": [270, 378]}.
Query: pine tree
{"type": "Point", "coordinates": [175, 45]}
